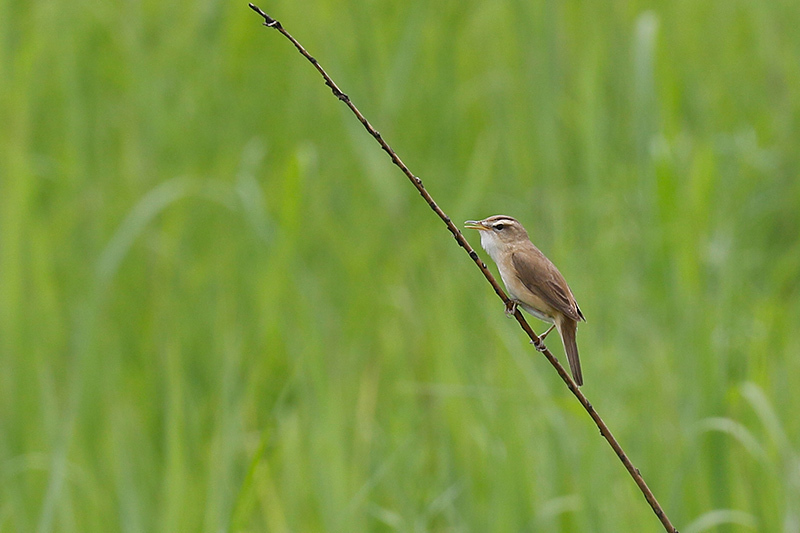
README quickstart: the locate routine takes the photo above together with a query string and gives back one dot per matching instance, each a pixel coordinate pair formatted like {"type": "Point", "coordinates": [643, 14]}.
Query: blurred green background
{"type": "Point", "coordinates": [223, 309]}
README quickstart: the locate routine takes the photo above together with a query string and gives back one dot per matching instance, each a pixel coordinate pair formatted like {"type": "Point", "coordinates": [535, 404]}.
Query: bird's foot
{"type": "Point", "coordinates": [511, 308]}
{"type": "Point", "coordinates": [539, 345]}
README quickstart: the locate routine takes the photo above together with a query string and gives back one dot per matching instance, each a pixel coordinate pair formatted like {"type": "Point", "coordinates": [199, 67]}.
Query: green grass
{"type": "Point", "coordinates": [223, 309]}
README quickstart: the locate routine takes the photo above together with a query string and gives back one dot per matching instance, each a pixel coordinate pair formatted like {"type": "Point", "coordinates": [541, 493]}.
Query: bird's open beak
{"type": "Point", "coordinates": [475, 224]}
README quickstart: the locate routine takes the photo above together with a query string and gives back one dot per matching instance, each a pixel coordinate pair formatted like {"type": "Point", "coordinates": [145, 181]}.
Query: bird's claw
{"type": "Point", "coordinates": [539, 345]}
{"type": "Point", "coordinates": [511, 308]}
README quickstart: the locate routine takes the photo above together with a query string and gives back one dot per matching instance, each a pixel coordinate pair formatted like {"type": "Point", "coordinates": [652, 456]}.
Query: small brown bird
{"type": "Point", "coordinates": [532, 281]}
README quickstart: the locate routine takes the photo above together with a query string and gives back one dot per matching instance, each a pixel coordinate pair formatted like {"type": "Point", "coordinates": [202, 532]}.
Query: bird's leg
{"type": "Point", "coordinates": [543, 335]}
{"type": "Point", "coordinates": [540, 345]}
{"type": "Point", "coordinates": [511, 308]}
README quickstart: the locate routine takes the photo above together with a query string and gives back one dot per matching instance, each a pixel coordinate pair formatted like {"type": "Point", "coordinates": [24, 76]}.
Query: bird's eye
{"type": "Point", "coordinates": [499, 226]}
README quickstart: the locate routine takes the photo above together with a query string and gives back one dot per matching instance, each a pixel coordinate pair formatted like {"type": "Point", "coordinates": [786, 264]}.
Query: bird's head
{"type": "Point", "coordinates": [498, 233]}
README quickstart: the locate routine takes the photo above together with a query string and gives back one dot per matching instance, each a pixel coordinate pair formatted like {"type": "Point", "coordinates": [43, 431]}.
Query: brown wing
{"type": "Point", "coordinates": [544, 280]}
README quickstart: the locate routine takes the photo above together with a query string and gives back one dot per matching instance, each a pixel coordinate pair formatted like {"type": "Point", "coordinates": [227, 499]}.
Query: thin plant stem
{"type": "Point", "coordinates": [459, 237]}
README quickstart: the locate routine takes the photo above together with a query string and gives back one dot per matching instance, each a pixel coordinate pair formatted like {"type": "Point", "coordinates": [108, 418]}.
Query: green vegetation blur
{"type": "Point", "coordinates": [222, 308]}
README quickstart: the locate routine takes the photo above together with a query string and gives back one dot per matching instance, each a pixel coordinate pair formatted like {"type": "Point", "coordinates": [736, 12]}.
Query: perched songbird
{"type": "Point", "coordinates": [532, 281]}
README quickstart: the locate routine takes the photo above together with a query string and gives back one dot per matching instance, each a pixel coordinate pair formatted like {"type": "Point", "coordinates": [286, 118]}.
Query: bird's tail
{"type": "Point", "coordinates": [567, 328]}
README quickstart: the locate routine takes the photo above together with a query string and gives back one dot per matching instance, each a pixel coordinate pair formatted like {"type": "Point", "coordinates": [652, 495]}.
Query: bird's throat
{"type": "Point", "coordinates": [490, 244]}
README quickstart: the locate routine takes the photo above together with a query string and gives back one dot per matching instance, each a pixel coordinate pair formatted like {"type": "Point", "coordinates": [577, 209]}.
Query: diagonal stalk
{"type": "Point", "coordinates": [417, 183]}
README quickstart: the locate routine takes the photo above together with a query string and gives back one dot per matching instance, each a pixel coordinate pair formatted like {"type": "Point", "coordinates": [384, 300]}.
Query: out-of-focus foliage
{"type": "Point", "coordinates": [223, 309]}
